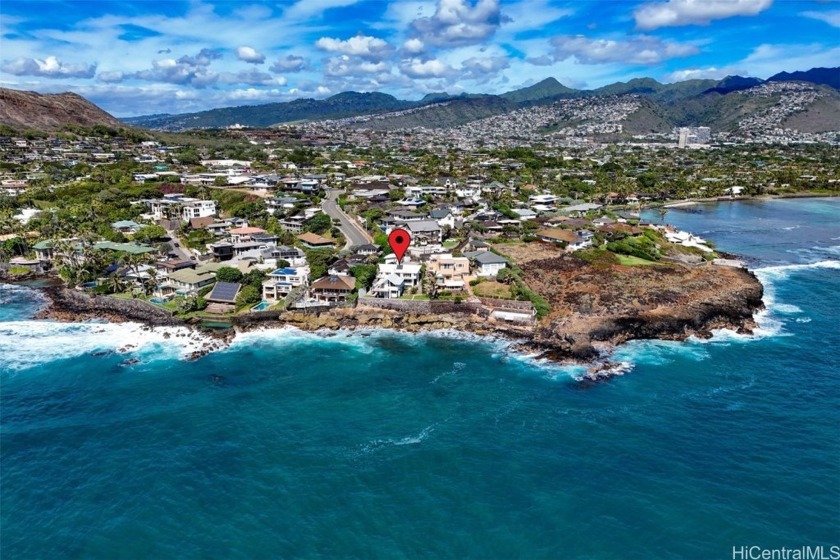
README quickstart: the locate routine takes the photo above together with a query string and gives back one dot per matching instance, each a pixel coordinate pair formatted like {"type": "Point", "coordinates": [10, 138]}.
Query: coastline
{"type": "Point", "coordinates": [693, 201]}
{"type": "Point", "coordinates": [585, 339]}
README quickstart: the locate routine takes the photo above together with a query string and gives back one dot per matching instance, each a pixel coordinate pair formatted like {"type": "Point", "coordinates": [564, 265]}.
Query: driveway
{"type": "Point", "coordinates": [351, 229]}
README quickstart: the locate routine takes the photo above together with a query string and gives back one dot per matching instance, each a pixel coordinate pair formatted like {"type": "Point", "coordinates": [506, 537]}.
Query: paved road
{"type": "Point", "coordinates": [350, 228]}
{"type": "Point", "coordinates": [182, 251]}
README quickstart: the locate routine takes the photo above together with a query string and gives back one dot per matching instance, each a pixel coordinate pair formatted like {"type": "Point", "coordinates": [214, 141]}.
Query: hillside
{"type": "Point", "coordinates": [690, 102]}
{"type": "Point", "coordinates": [822, 76]}
{"type": "Point", "coordinates": [338, 106]}
{"type": "Point", "coordinates": [29, 110]}
{"type": "Point", "coordinates": [541, 90]}
{"type": "Point", "coordinates": [450, 113]}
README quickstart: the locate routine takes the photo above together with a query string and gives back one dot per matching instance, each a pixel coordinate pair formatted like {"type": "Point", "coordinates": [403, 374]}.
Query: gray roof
{"type": "Point", "coordinates": [489, 257]}
{"type": "Point", "coordinates": [423, 225]}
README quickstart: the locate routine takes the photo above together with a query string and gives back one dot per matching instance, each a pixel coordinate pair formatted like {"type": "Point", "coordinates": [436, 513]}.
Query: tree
{"type": "Point", "coordinates": [364, 274]}
{"type": "Point", "coordinates": [220, 181]}
{"type": "Point", "coordinates": [116, 284]}
{"type": "Point", "coordinates": [319, 260]}
{"type": "Point", "coordinates": [248, 295]}
{"type": "Point", "coordinates": [228, 274]}
{"type": "Point", "coordinates": [148, 234]}
{"type": "Point", "coordinates": [319, 223]}
{"type": "Point", "coordinates": [505, 276]}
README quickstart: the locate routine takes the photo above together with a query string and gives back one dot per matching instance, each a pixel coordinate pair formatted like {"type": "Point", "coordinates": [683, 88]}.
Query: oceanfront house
{"type": "Point", "coordinates": [222, 298]}
{"type": "Point", "coordinates": [315, 241]}
{"type": "Point", "coordinates": [408, 272]}
{"type": "Point", "coordinates": [488, 264]}
{"type": "Point", "coordinates": [282, 281]}
{"type": "Point", "coordinates": [424, 232]}
{"type": "Point", "coordinates": [43, 251]}
{"type": "Point", "coordinates": [333, 289]}
{"type": "Point", "coordinates": [126, 226]}
{"type": "Point", "coordinates": [389, 286]}
{"type": "Point", "coordinates": [187, 281]}
{"type": "Point", "coordinates": [450, 272]}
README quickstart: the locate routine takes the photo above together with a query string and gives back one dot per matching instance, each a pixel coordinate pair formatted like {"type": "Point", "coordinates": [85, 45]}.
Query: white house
{"type": "Point", "coordinates": [488, 264]}
{"type": "Point", "coordinates": [282, 281]}
{"type": "Point", "coordinates": [390, 286]}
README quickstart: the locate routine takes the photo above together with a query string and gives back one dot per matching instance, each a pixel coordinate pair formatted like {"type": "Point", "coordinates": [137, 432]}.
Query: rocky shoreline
{"type": "Point", "coordinates": [583, 337]}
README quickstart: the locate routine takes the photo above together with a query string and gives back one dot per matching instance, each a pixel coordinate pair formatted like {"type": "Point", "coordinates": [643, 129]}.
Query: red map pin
{"type": "Point", "coordinates": [399, 240]}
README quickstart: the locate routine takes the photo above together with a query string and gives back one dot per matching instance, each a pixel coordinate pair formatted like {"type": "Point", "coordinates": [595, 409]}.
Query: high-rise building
{"type": "Point", "coordinates": [688, 135]}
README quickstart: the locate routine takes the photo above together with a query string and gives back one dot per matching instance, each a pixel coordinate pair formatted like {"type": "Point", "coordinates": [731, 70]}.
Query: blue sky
{"type": "Point", "coordinates": [146, 57]}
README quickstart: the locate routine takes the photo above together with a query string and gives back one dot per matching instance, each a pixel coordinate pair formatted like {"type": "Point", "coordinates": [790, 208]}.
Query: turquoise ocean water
{"type": "Point", "coordinates": [385, 445]}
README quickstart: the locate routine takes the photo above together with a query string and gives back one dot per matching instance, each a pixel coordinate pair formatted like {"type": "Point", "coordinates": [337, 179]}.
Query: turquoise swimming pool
{"type": "Point", "coordinates": [261, 306]}
{"type": "Point", "coordinates": [158, 300]}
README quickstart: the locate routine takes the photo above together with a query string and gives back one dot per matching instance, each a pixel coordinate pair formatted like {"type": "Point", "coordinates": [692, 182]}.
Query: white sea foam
{"type": "Point", "coordinates": [25, 344]}
{"type": "Point", "coordinates": [377, 444]}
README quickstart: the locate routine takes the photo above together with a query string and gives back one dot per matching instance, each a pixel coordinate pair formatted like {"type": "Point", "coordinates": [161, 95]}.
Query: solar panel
{"type": "Point", "coordinates": [224, 291]}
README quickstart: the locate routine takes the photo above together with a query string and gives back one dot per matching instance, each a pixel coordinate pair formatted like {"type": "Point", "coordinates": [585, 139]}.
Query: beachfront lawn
{"type": "Point", "coordinates": [415, 297]}
{"type": "Point", "coordinates": [628, 260]}
{"type": "Point", "coordinates": [492, 289]}
{"type": "Point", "coordinates": [18, 270]}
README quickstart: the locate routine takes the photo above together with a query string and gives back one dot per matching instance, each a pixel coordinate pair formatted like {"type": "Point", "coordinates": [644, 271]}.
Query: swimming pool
{"type": "Point", "coordinates": [261, 306]}
{"type": "Point", "coordinates": [158, 300]}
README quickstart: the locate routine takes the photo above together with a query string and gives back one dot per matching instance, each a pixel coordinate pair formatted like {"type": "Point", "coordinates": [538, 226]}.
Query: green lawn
{"type": "Point", "coordinates": [492, 290]}
{"type": "Point", "coordinates": [415, 297]}
{"type": "Point", "coordinates": [450, 243]}
{"type": "Point", "coordinates": [18, 270]}
{"type": "Point", "coordinates": [628, 260]}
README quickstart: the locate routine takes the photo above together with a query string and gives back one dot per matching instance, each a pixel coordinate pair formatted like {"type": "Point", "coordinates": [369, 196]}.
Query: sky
{"type": "Point", "coordinates": [148, 57]}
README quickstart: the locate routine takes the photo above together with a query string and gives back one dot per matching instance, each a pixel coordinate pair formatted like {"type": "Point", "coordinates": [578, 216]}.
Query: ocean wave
{"type": "Point", "coordinates": [26, 344]}
{"type": "Point", "coordinates": [378, 444]}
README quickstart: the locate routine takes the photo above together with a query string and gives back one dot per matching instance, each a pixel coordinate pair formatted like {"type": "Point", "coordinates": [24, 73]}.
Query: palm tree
{"type": "Point", "coordinates": [150, 282]}
{"type": "Point", "coordinates": [116, 284]}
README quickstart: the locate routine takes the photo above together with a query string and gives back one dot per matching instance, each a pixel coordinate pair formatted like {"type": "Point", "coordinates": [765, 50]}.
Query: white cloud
{"type": "Point", "coordinates": [49, 67]}
{"type": "Point", "coordinates": [251, 77]}
{"type": "Point", "coordinates": [249, 55]}
{"type": "Point", "coordinates": [348, 66]}
{"type": "Point", "coordinates": [484, 68]}
{"type": "Point", "coordinates": [531, 14]}
{"type": "Point", "coordinates": [422, 69]}
{"type": "Point", "coordinates": [111, 77]}
{"type": "Point", "coordinates": [187, 70]}
{"type": "Point", "coordinates": [291, 63]}
{"type": "Point", "coordinates": [694, 12]}
{"type": "Point", "coordinates": [305, 9]}
{"type": "Point", "coordinates": [711, 73]}
{"type": "Point", "coordinates": [831, 17]}
{"type": "Point", "coordinates": [414, 46]}
{"type": "Point", "coordinates": [768, 59]}
{"type": "Point", "coordinates": [642, 49]}
{"type": "Point", "coordinates": [363, 46]}
{"type": "Point", "coordinates": [458, 22]}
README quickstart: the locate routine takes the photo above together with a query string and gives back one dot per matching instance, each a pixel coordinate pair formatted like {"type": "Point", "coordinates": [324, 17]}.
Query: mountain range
{"type": "Point", "coordinates": [692, 102]}
{"type": "Point", "coordinates": [681, 103]}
